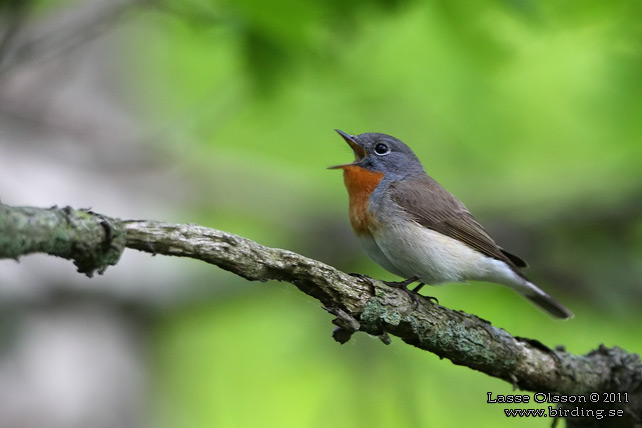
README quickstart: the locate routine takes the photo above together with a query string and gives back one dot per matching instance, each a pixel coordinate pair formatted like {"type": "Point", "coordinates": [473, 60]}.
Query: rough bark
{"type": "Point", "coordinates": [94, 241]}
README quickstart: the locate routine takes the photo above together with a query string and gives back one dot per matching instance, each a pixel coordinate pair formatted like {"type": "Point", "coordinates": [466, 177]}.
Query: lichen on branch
{"type": "Point", "coordinates": [91, 240]}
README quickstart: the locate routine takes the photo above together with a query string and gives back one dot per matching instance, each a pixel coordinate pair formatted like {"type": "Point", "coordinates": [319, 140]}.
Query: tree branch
{"type": "Point", "coordinates": [95, 241]}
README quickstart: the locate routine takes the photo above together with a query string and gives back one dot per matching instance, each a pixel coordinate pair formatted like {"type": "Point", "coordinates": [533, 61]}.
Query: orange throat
{"type": "Point", "coordinates": [360, 184]}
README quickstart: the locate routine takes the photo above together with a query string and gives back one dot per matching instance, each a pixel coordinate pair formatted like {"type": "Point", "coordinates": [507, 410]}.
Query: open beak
{"type": "Point", "coordinates": [359, 152]}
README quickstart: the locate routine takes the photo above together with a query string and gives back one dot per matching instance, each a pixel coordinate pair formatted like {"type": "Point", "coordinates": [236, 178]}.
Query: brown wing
{"type": "Point", "coordinates": [434, 207]}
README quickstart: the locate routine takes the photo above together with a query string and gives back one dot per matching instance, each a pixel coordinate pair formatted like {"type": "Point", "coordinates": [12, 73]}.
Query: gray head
{"type": "Point", "coordinates": [383, 153]}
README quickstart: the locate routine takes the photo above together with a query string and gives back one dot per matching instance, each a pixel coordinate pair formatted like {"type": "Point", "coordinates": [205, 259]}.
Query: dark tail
{"type": "Point", "coordinates": [547, 303]}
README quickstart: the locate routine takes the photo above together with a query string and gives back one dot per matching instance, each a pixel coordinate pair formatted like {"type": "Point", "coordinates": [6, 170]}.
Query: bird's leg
{"type": "Point", "coordinates": [431, 298]}
{"type": "Point", "coordinates": [403, 285]}
{"type": "Point", "coordinates": [412, 293]}
{"type": "Point", "coordinates": [418, 287]}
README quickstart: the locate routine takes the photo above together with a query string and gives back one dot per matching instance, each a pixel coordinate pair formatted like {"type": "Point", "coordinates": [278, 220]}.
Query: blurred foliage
{"type": "Point", "coordinates": [528, 111]}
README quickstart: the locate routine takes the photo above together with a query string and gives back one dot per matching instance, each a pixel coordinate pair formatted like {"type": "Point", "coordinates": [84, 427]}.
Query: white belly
{"type": "Point", "coordinates": [414, 250]}
{"type": "Point", "coordinates": [375, 253]}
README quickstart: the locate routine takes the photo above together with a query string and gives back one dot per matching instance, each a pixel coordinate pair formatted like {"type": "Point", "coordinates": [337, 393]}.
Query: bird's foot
{"type": "Point", "coordinates": [363, 277]}
{"type": "Point", "coordinates": [360, 276]}
{"type": "Point", "coordinates": [414, 293]}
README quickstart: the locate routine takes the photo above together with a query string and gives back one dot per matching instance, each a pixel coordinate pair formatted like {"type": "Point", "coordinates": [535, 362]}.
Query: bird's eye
{"type": "Point", "coordinates": [381, 149]}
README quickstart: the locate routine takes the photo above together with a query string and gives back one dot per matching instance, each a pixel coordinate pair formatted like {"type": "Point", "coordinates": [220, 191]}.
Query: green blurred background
{"type": "Point", "coordinates": [529, 112]}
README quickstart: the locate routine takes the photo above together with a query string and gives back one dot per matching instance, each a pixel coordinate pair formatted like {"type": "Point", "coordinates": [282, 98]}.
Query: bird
{"type": "Point", "coordinates": [414, 228]}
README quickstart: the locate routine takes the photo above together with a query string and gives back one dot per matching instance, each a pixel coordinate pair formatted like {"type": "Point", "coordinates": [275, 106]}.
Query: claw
{"type": "Point", "coordinates": [403, 285]}
{"type": "Point", "coordinates": [360, 276]}
{"type": "Point", "coordinates": [414, 293]}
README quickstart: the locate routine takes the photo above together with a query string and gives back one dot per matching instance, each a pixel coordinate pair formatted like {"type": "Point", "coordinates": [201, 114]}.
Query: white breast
{"type": "Point", "coordinates": [372, 249]}
{"type": "Point", "coordinates": [415, 250]}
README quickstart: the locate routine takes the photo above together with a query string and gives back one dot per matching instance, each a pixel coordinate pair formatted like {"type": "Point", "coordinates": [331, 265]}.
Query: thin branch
{"type": "Point", "coordinates": [359, 303]}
